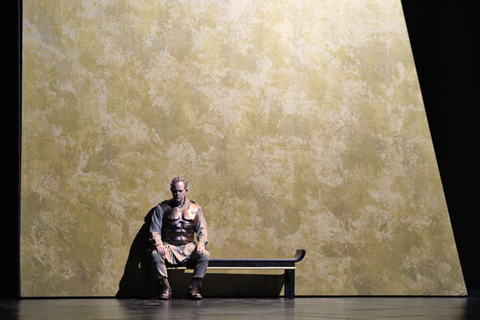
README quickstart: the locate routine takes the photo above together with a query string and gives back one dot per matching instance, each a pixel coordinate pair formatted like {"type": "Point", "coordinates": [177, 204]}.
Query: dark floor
{"type": "Point", "coordinates": [300, 308]}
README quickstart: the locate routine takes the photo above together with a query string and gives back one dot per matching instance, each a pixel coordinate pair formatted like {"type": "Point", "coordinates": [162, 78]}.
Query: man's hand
{"type": "Point", "coordinates": [200, 249]}
{"type": "Point", "coordinates": [161, 250]}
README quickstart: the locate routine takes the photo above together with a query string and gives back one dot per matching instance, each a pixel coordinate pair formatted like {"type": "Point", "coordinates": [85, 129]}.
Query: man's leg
{"type": "Point", "coordinates": [163, 290]}
{"type": "Point", "coordinates": [199, 263]}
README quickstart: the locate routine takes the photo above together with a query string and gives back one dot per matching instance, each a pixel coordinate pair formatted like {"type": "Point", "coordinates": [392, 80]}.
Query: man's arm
{"type": "Point", "coordinates": [156, 230]}
{"type": "Point", "coordinates": [202, 234]}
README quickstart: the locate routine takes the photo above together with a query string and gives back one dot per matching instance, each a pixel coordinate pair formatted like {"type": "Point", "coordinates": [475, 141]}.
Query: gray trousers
{"type": "Point", "coordinates": [196, 262]}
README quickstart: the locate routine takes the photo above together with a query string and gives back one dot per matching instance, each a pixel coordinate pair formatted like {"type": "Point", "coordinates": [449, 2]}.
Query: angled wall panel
{"type": "Point", "coordinates": [300, 124]}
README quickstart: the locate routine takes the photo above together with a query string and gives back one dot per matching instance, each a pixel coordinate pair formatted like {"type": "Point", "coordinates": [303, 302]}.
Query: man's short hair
{"type": "Point", "coordinates": [178, 179]}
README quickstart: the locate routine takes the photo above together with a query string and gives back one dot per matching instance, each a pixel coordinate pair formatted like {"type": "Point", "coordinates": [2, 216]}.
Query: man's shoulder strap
{"type": "Point", "coordinates": [165, 206]}
{"type": "Point", "coordinates": [194, 205]}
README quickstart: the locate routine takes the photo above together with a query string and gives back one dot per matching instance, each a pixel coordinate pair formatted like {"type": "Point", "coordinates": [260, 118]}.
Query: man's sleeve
{"type": "Point", "coordinates": [202, 234]}
{"type": "Point", "coordinates": [156, 226]}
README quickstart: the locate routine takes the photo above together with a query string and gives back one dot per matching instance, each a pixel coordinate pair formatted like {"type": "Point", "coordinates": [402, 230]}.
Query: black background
{"type": "Point", "coordinates": [444, 37]}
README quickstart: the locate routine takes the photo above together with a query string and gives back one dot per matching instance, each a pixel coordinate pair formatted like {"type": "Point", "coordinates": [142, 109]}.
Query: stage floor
{"type": "Point", "coordinates": [300, 308]}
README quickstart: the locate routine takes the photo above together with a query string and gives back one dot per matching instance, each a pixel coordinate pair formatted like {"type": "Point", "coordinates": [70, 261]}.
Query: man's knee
{"type": "Point", "coordinates": [205, 256]}
{"type": "Point", "coordinates": [157, 257]}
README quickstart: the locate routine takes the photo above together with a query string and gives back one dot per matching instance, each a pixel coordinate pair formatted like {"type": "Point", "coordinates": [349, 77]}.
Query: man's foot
{"type": "Point", "coordinates": [194, 295]}
{"type": "Point", "coordinates": [193, 289]}
{"type": "Point", "coordinates": [164, 292]}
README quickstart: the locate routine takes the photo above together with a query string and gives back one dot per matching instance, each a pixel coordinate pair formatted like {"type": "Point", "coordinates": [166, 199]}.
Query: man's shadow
{"type": "Point", "coordinates": [138, 280]}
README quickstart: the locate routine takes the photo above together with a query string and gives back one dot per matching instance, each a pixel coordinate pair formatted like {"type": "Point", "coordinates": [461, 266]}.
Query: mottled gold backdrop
{"type": "Point", "coordinates": [299, 123]}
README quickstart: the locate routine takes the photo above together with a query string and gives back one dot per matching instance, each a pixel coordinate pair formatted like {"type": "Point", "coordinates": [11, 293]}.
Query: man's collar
{"type": "Point", "coordinates": [186, 203]}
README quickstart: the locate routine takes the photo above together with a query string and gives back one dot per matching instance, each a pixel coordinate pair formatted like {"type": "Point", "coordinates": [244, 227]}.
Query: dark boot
{"type": "Point", "coordinates": [193, 289]}
{"type": "Point", "coordinates": [164, 292]}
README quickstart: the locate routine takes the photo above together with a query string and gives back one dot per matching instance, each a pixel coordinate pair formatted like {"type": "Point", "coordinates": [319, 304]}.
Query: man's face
{"type": "Point", "coordinates": [178, 192]}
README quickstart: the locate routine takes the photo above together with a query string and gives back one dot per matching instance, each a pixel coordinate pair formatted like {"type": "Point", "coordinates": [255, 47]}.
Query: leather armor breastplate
{"type": "Point", "coordinates": [179, 224]}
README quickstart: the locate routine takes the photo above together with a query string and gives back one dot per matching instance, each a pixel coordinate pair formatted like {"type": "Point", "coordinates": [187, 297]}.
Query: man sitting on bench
{"type": "Point", "coordinates": [174, 223]}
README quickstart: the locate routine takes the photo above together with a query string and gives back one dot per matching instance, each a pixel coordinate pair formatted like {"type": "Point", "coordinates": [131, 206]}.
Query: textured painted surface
{"type": "Point", "coordinates": [299, 124]}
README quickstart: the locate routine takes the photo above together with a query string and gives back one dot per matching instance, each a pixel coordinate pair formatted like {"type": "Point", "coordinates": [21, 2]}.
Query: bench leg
{"type": "Point", "coordinates": [289, 284]}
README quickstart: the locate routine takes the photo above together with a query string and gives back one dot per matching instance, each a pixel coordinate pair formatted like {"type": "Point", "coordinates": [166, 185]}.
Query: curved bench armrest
{"type": "Point", "coordinates": [299, 255]}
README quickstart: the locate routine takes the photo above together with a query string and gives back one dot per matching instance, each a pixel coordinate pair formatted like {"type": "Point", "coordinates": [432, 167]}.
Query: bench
{"type": "Point", "coordinates": [288, 265]}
